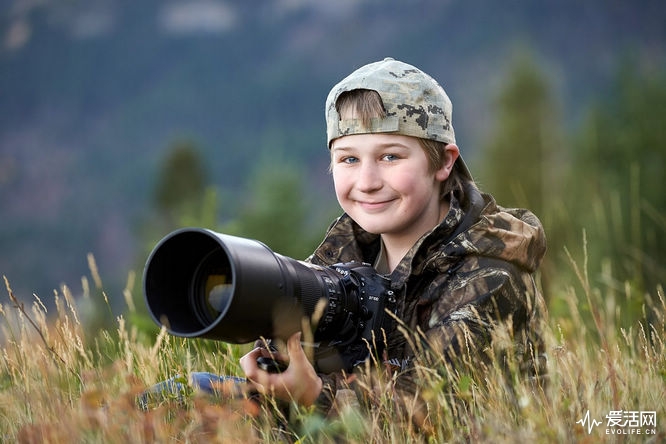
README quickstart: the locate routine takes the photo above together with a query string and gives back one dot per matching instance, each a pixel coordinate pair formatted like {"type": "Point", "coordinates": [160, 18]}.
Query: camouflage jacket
{"type": "Point", "coordinates": [459, 285]}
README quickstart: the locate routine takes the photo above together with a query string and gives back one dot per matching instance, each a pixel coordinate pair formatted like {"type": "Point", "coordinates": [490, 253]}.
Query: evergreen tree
{"type": "Point", "coordinates": [181, 183]}
{"type": "Point", "coordinates": [621, 161]}
{"type": "Point", "coordinates": [518, 162]}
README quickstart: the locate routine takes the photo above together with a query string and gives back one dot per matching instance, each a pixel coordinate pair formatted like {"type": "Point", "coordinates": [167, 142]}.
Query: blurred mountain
{"type": "Point", "coordinates": [93, 92]}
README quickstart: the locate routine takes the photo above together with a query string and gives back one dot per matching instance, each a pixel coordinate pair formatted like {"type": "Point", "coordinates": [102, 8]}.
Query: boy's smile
{"type": "Point", "coordinates": [383, 181]}
{"type": "Point", "coordinates": [372, 207]}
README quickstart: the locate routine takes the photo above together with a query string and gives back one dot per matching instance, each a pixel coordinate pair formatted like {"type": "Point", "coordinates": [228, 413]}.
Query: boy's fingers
{"type": "Point", "coordinates": [294, 347]}
{"type": "Point", "coordinates": [248, 362]}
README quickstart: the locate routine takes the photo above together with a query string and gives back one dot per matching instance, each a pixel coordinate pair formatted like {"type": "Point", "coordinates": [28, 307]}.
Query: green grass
{"type": "Point", "coordinates": [61, 381]}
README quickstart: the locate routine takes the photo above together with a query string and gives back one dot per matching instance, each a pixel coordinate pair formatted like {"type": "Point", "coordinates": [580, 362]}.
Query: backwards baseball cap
{"type": "Point", "coordinates": [416, 105]}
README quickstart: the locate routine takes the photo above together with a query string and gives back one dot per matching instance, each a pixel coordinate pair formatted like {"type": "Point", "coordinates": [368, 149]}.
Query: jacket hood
{"type": "Point", "coordinates": [514, 235]}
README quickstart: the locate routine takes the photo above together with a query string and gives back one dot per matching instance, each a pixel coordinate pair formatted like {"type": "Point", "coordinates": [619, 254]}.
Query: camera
{"type": "Point", "coordinates": [203, 284]}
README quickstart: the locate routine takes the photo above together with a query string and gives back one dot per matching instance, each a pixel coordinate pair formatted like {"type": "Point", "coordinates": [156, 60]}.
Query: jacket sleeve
{"type": "Point", "coordinates": [487, 312]}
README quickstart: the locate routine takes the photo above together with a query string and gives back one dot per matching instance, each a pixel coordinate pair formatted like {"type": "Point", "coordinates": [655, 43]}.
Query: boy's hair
{"type": "Point", "coordinates": [366, 105]}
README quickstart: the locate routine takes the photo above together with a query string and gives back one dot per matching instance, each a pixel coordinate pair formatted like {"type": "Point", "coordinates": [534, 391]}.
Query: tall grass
{"type": "Point", "coordinates": [63, 382]}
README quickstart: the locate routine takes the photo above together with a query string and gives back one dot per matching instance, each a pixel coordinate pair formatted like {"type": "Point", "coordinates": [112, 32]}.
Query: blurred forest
{"type": "Point", "coordinates": [121, 121]}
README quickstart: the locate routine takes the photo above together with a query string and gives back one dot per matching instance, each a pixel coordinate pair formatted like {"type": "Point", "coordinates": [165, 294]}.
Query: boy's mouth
{"type": "Point", "coordinates": [374, 205]}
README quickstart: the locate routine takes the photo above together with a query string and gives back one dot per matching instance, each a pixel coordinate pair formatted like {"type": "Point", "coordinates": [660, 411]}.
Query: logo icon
{"type": "Point", "coordinates": [589, 423]}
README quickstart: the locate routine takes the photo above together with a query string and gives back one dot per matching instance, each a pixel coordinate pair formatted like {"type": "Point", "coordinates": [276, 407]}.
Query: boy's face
{"type": "Point", "coordinates": [383, 181]}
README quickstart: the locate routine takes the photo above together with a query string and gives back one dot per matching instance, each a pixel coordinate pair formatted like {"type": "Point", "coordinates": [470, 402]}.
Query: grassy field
{"type": "Point", "coordinates": [61, 381]}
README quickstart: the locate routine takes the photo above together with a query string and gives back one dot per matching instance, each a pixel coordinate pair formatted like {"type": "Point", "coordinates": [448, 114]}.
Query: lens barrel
{"type": "Point", "coordinates": [199, 283]}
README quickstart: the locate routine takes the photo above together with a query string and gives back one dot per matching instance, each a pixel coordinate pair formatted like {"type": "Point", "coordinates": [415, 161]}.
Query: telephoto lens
{"type": "Point", "coordinates": [199, 283]}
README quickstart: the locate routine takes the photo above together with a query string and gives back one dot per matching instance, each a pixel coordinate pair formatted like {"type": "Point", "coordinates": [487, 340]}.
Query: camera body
{"type": "Point", "coordinates": [199, 283]}
{"type": "Point", "coordinates": [356, 319]}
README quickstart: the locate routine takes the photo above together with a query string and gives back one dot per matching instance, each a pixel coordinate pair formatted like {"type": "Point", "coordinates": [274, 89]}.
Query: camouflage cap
{"type": "Point", "coordinates": [416, 105]}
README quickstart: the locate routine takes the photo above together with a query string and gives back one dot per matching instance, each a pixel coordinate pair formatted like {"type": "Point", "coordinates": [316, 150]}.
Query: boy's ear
{"type": "Point", "coordinates": [451, 154]}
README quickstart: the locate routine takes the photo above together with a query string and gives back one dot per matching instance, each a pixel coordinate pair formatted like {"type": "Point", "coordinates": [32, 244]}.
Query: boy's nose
{"type": "Point", "coordinates": [369, 178]}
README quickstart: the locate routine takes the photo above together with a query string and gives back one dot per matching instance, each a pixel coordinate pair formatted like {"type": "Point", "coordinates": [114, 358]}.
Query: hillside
{"type": "Point", "coordinates": [92, 94]}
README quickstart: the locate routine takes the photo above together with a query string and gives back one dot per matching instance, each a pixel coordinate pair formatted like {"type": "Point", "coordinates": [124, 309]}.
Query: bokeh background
{"type": "Point", "coordinates": [121, 120]}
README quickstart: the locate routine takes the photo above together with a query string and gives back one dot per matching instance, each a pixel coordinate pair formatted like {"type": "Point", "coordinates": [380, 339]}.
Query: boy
{"type": "Point", "coordinates": [462, 266]}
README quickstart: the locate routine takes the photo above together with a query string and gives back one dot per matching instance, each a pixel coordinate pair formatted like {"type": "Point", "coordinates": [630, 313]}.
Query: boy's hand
{"type": "Point", "coordinates": [299, 382]}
